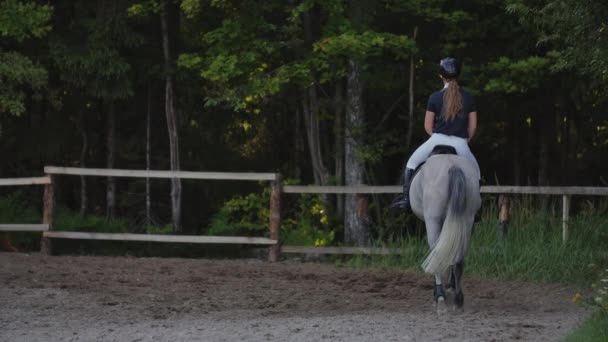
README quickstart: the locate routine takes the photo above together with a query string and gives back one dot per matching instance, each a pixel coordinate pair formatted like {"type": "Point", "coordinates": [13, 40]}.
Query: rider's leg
{"type": "Point", "coordinates": [403, 201]}
{"type": "Point", "coordinates": [417, 158]}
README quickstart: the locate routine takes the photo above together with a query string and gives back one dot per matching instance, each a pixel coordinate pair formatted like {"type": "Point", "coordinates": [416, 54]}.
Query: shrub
{"type": "Point", "coordinates": [305, 219]}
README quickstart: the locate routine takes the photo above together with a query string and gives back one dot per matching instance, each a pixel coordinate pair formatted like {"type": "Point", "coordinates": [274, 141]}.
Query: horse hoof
{"type": "Point", "coordinates": [441, 306]}
{"type": "Point", "coordinates": [459, 300]}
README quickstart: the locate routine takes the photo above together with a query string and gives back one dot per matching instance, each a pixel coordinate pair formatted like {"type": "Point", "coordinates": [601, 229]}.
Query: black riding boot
{"type": "Point", "coordinates": [402, 202]}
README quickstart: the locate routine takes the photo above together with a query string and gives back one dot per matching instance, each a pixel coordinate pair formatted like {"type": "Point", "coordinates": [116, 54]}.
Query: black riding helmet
{"type": "Point", "coordinates": [449, 68]}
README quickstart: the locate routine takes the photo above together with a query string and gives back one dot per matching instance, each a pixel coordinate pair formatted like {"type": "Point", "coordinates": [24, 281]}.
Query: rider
{"type": "Point", "coordinates": [451, 119]}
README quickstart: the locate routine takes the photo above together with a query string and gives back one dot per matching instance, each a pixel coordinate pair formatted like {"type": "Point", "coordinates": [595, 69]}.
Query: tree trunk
{"type": "Point", "coordinates": [110, 158]}
{"type": "Point", "coordinates": [355, 229]}
{"type": "Point", "coordinates": [543, 152]}
{"type": "Point", "coordinates": [148, 201]}
{"type": "Point", "coordinates": [176, 185]}
{"type": "Point", "coordinates": [310, 111]}
{"type": "Point", "coordinates": [411, 121]}
{"type": "Point", "coordinates": [516, 129]}
{"type": "Point", "coordinates": [298, 145]}
{"type": "Point", "coordinates": [339, 143]}
{"type": "Point", "coordinates": [82, 163]}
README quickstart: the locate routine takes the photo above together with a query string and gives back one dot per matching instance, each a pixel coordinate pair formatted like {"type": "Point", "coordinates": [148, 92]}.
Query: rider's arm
{"type": "Point", "coordinates": [472, 125]}
{"type": "Point", "coordinates": [429, 122]}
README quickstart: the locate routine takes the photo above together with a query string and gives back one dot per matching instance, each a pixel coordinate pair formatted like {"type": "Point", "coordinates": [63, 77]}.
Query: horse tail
{"type": "Point", "coordinates": [452, 243]}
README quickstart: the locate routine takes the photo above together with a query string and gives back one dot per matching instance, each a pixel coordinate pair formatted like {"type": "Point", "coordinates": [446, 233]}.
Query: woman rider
{"type": "Point", "coordinates": [451, 119]}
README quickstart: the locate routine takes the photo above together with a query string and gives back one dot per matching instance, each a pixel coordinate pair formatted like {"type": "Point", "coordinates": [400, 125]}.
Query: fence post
{"type": "Point", "coordinates": [503, 213]}
{"type": "Point", "coordinates": [48, 213]}
{"type": "Point", "coordinates": [565, 214]}
{"type": "Point", "coordinates": [275, 217]}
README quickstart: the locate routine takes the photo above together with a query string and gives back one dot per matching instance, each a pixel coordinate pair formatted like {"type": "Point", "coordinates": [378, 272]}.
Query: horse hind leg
{"type": "Point", "coordinates": [457, 271]}
{"type": "Point", "coordinates": [439, 295]}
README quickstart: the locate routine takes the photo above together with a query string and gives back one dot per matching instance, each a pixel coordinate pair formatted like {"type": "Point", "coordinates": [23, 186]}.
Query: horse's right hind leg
{"type": "Point", "coordinates": [457, 271]}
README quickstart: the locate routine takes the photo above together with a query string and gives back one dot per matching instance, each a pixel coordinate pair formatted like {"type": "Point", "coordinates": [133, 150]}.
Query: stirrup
{"type": "Point", "coordinates": [401, 203]}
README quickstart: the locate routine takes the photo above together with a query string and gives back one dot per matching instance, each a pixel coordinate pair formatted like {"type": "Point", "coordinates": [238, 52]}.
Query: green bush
{"type": "Point", "coordinates": [243, 216]}
{"type": "Point", "coordinates": [305, 220]}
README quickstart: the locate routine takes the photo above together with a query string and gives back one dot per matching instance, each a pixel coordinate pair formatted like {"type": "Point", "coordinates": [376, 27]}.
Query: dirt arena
{"type": "Point", "coordinates": [66, 298]}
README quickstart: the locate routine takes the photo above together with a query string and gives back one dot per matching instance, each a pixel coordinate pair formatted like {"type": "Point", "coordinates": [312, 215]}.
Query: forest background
{"type": "Point", "coordinates": [322, 92]}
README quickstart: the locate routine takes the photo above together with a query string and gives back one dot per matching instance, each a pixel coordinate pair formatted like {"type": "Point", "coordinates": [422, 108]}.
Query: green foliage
{"type": "Point", "coordinates": [304, 222]}
{"type": "Point", "coordinates": [600, 292]}
{"type": "Point", "coordinates": [90, 52]}
{"type": "Point", "coordinates": [161, 230]}
{"type": "Point", "coordinates": [306, 233]}
{"type": "Point", "coordinates": [69, 220]}
{"type": "Point", "coordinates": [190, 8]}
{"type": "Point", "coordinates": [577, 29]}
{"type": "Point", "coordinates": [16, 208]}
{"type": "Point", "coordinates": [364, 45]}
{"type": "Point", "coordinates": [21, 20]}
{"type": "Point", "coordinates": [144, 8]}
{"type": "Point", "coordinates": [594, 329]}
{"type": "Point", "coordinates": [532, 251]}
{"type": "Point", "coordinates": [307, 222]}
{"type": "Point", "coordinates": [243, 215]}
{"type": "Point", "coordinates": [518, 76]}
{"type": "Point", "coordinates": [431, 10]}
{"type": "Point", "coordinates": [18, 72]}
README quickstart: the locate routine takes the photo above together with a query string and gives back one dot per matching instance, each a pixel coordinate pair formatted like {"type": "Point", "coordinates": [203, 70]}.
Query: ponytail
{"type": "Point", "coordinates": [452, 101]}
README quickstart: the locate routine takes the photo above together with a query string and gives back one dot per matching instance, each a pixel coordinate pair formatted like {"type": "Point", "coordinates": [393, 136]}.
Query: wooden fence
{"type": "Point", "coordinates": [277, 189]}
{"type": "Point", "coordinates": [275, 182]}
{"type": "Point", "coordinates": [503, 191]}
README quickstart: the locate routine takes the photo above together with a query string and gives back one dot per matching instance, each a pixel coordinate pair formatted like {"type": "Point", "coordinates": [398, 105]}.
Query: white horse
{"type": "Point", "coordinates": [445, 195]}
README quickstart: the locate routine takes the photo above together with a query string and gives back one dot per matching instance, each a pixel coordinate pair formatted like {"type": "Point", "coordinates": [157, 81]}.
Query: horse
{"type": "Point", "coordinates": [445, 195]}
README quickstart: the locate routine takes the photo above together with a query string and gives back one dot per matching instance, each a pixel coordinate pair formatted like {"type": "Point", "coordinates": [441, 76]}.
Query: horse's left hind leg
{"type": "Point", "coordinates": [457, 271]}
{"type": "Point", "coordinates": [439, 295]}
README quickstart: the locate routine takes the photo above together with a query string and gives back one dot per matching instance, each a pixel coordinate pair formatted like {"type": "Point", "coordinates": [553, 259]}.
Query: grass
{"type": "Point", "coordinates": [595, 329]}
{"type": "Point", "coordinates": [533, 249]}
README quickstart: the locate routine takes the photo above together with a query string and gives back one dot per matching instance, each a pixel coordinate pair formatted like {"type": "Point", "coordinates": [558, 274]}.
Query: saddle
{"type": "Point", "coordinates": [439, 149]}
{"type": "Point", "coordinates": [443, 149]}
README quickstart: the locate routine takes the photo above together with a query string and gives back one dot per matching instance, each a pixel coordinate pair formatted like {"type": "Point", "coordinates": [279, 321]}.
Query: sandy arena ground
{"type": "Point", "coordinates": [67, 298]}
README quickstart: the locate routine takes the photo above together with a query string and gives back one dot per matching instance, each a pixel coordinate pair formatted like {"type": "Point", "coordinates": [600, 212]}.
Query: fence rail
{"type": "Point", "coordinates": [160, 238]}
{"type": "Point", "coordinates": [18, 227]}
{"type": "Point", "coordinates": [492, 189]}
{"type": "Point", "coordinates": [25, 181]}
{"type": "Point", "coordinates": [75, 171]}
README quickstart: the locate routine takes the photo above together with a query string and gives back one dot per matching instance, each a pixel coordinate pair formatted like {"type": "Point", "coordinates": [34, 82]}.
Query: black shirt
{"type": "Point", "coordinates": [459, 126]}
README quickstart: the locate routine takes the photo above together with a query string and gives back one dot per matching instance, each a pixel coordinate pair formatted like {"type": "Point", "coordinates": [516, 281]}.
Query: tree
{"type": "Point", "coordinates": [89, 51]}
{"type": "Point", "coordinates": [171, 114]}
{"type": "Point", "coordinates": [19, 73]}
{"type": "Point", "coordinates": [576, 30]}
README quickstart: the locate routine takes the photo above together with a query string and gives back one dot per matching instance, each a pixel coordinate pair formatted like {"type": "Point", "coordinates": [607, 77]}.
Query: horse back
{"type": "Point", "coordinates": [430, 187]}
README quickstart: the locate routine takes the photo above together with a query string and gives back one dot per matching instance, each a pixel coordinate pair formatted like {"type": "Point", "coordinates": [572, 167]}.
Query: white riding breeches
{"type": "Point", "coordinates": [460, 144]}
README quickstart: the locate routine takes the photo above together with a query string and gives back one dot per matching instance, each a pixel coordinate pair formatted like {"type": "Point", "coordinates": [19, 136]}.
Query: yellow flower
{"type": "Point", "coordinates": [576, 298]}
